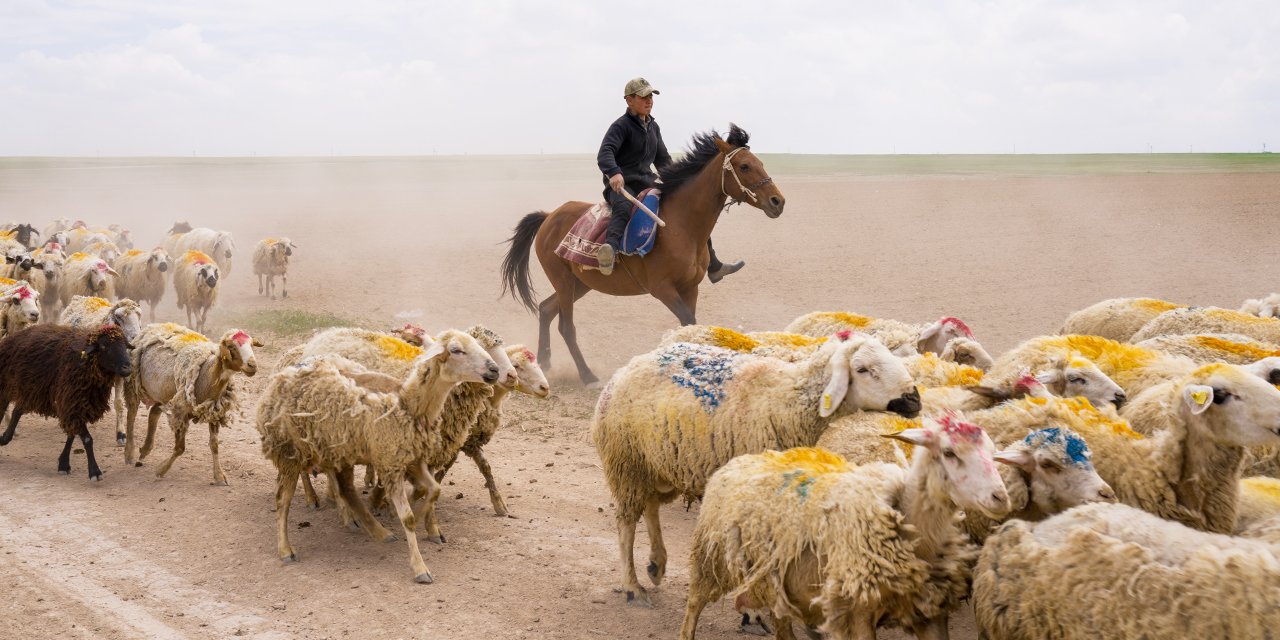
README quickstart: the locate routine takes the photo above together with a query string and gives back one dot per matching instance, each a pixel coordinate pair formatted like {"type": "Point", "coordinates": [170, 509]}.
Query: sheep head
{"type": "Point", "coordinates": [127, 315]}
{"type": "Point", "coordinates": [109, 349]}
{"type": "Point", "coordinates": [22, 300]}
{"type": "Point", "coordinates": [865, 375]}
{"type": "Point", "coordinates": [159, 260]}
{"type": "Point", "coordinates": [1231, 405]}
{"type": "Point", "coordinates": [1059, 471]}
{"type": "Point", "coordinates": [935, 337]}
{"type": "Point", "coordinates": [530, 377]}
{"type": "Point", "coordinates": [460, 359]}
{"type": "Point", "coordinates": [235, 349]}
{"type": "Point", "coordinates": [966, 457]}
{"type": "Point", "coordinates": [1073, 375]}
{"type": "Point", "coordinates": [967, 351]}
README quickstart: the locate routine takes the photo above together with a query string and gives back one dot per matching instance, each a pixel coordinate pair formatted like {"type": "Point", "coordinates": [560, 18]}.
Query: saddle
{"type": "Point", "coordinates": [587, 234]}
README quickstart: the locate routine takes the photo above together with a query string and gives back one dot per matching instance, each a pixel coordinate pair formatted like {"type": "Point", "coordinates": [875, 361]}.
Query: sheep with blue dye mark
{"type": "Point", "coordinates": [844, 549]}
{"type": "Point", "coordinates": [1117, 318]}
{"type": "Point", "coordinates": [791, 347]}
{"type": "Point", "coordinates": [669, 418]}
{"type": "Point", "coordinates": [1112, 571]}
{"type": "Point", "coordinates": [1210, 320]}
{"type": "Point", "coordinates": [932, 337]}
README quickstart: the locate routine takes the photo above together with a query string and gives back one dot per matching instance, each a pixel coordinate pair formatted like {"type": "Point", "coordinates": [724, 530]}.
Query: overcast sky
{"type": "Point", "coordinates": [304, 77]}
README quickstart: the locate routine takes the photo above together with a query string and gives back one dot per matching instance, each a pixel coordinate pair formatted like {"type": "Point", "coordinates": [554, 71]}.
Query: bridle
{"type": "Point", "coordinates": [728, 168]}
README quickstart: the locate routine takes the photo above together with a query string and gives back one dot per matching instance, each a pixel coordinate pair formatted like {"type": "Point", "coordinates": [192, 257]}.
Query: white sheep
{"type": "Point", "coordinates": [173, 236]}
{"type": "Point", "coordinates": [195, 285]}
{"type": "Point", "coordinates": [1259, 505]}
{"type": "Point", "coordinates": [1112, 571]}
{"type": "Point", "coordinates": [121, 236]}
{"type": "Point", "coordinates": [271, 259]}
{"type": "Point", "coordinates": [87, 275]}
{"type": "Point", "coordinates": [669, 418]}
{"type": "Point", "coordinates": [314, 415]}
{"type": "Point", "coordinates": [1117, 318]}
{"type": "Point", "coordinates": [59, 225]}
{"type": "Point", "coordinates": [79, 238]}
{"type": "Point", "coordinates": [530, 380]}
{"type": "Point", "coordinates": [929, 338]}
{"type": "Point", "coordinates": [19, 306]}
{"type": "Point", "coordinates": [1197, 320]}
{"type": "Point", "coordinates": [1188, 470]}
{"type": "Point", "coordinates": [1267, 307]}
{"type": "Point", "coordinates": [47, 279]}
{"type": "Point", "coordinates": [215, 244]}
{"type": "Point", "coordinates": [90, 313]}
{"type": "Point", "coordinates": [1061, 375]}
{"type": "Point", "coordinates": [844, 549]}
{"type": "Point", "coordinates": [142, 276]}
{"type": "Point", "coordinates": [791, 347]}
{"type": "Point", "coordinates": [1205, 348]}
{"type": "Point", "coordinates": [190, 376]}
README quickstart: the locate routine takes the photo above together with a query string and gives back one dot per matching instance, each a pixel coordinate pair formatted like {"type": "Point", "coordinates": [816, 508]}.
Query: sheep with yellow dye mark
{"type": "Point", "coordinates": [104, 249]}
{"type": "Point", "coordinates": [195, 285]}
{"type": "Point", "coordinates": [271, 259]}
{"type": "Point", "coordinates": [531, 381]}
{"type": "Point", "coordinates": [375, 350]}
{"type": "Point", "coordinates": [87, 275]}
{"type": "Point", "coordinates": [926, 338]}
{"type": "Point", "coordinates": [1198, 320]}
{"type": "Point", "coordinates": [1117, 318]}
{"type": "Point", "coordinates": [1112, 571]}
{"type": "Point", "coordinates": [791, 347]}
{"type": "Point", "coordinates": [143, 275]}
{"type": "Point", "coordinates": [89, 312]}
{"type": "Point", "coordinates": [1231, 348]}
{"type": "Point", "coordinates": [313, 415]}
{"type": "Point", "coordinates": [1189, 468]}
{"type": "Point", "coordinates": [1063, 375]}
{"type": "Point", "coordinates": [191, 377]}
{"type": "Point", "coordinates": [843, 549]}
{"type": "Point", "coordinates": [1259, 506]}
{"type": "Point", "coordinates": [217, 245]}
{"type": "Point", "coordinates": [1050, 468]}
{"type": "Point", "coordinates": [669, 418]}
{"type": "Point", "coordinates": [1268, 307]}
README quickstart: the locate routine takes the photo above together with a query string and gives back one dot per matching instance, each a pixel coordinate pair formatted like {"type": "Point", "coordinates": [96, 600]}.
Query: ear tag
{"type": "Point", "coordinates": [826, 401]}
{"type": "Point", "coordinates": [1200, 397]}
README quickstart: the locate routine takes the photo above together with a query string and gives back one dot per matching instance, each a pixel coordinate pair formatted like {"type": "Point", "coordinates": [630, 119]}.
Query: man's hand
{"type": "Point", "coordinates": [616, 182]}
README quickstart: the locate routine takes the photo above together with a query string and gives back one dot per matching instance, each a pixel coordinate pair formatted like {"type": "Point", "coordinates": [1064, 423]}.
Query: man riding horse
{"type": "Point", "coordinates": [631, 148]}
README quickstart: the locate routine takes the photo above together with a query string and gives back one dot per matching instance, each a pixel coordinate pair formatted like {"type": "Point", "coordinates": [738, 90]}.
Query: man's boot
{"type": "Point", "coordinates": [605, 255]}
{"type": "Point", "coordinates": [724, 270]}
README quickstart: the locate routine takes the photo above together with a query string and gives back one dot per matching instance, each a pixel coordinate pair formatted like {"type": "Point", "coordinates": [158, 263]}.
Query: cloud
{"type": "Point", "coordinates": [391, 77]}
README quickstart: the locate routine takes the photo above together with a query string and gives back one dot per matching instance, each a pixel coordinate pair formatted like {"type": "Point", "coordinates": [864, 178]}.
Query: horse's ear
{"type": "Point", "coordinates": [723, 146]}
{"type": "Point", "coordinates": [737, 136]}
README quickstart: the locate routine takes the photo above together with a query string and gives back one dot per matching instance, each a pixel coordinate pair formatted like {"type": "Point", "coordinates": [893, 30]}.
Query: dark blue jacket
{"type": "Point", "coordinates": [630, 148]}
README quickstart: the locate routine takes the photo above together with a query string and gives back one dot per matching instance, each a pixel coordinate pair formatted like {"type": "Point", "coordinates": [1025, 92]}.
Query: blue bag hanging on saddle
{"type": "Point", "coordinates": [641, 229]}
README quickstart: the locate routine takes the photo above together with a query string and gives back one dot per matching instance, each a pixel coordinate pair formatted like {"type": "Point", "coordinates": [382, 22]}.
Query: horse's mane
{"type": "Point", "coordinates": [701, 150]}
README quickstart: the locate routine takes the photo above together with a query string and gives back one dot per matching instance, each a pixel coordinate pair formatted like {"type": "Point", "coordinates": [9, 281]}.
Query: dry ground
{"type": "Point", "coordinates": [1011, 252]}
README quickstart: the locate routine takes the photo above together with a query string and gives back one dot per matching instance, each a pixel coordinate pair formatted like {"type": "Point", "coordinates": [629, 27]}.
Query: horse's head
{"type": "Point", "coordinates": [745, 178]}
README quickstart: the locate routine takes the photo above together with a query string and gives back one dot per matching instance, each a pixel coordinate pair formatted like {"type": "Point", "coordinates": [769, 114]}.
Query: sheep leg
{"type": "Point", "coordinates": [179, 447]}
{"type": "Point", "coordinates": [64, 459]}
{"type": "Point", "coordinates": [13, 426]}
{"type": "Point", "coordinates": [344, 479]}
{"type": "Point", "coordinates": [701, 593]}
{"type": "Point", "coordinates": [153, 420]}
{"type": "Point", "coordinates": [626, 546]}
{"type": "Point", "coordinates": [369, 477]}
{"type": "Point", "coordinates": [344, 513]}
{"type": "Point", "coordinates": [657, 550]}
{"type": "Point", "coordinates": [260, 284]}
{"type": "Point", "coordinates": [309, 491]}
{"type": "Point", "coordinates": [425, 485]}
{"type": "Point", "coordinates": [499, 505]}
{"type": "Point", "coordinates": [935, 629]}
{"type": "Point", "coordinates": [218, 476]}
{"type": "Point", "coordinates": [284, 285]}
{"type": "Point", "coordinates": [117, 402]}
{"type": "Point", "coordinates": [400, 500]}
{"type": "Point", "coordinates": [286, 483]}
{"type": "Point", "coordinates": [95, 473]}
{"type": "Point", "coordinates": [131, 404]}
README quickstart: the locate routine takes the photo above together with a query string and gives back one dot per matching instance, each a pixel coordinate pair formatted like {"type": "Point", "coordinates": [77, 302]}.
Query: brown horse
{"type": "Point", "coordinates": [694, 192]}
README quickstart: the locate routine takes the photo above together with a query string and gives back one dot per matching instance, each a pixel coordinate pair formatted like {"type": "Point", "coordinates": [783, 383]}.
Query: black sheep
{"type": "Point", "coordinates": [65, 373]}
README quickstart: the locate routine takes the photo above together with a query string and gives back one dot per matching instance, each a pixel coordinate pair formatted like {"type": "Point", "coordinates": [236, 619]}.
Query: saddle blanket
{"type": "Point", "coordinates": [587, 234]}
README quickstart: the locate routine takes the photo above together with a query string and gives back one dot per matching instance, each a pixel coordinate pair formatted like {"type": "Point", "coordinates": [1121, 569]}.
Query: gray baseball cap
{"type": "Point", "coordinates": [639, 87]}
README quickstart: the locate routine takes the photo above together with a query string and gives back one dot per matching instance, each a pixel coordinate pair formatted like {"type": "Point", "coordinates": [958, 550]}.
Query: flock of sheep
{"type": "Point", "coordinates": [847, 468]}
{"type": "Point", "coordinates": [1115, 480]}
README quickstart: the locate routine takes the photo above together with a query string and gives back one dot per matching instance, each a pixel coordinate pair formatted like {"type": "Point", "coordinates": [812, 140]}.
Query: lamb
{"type": "Point", "coordinates": [530, 380]}
{"type": "Point", "coordinates": [668, 419]}
{"type": "Point", "coordinates": [314, 415]}
{"type": "Point", "coordinates": [89, 312]}
{"type": "Point", "coordinates": [215, 244]}
{"type": "Point", "coordinates": [195, 284]}
{"type": "Point", "coordinates": [142, 276]}
{"type": "Point", "coordinates": [1049, 470]}
{"type": "Point", "coordinates": [184, 372]}
{"type": "Point", "coordinates": [1210, 320]}
{"type": "Point", "coordinates": [271, 259]}
{"type": "Point", "coordinates": [929, 338]}
{"type": "Point", "coordinates": [1268, 307]}
{"type": "Point", "coordinates": [86, 275]}
{"type": "Point", "coordinates": [65, 373]}
{"type": "Point", "coordinates": [19, 307]}
{"type": "Point", "coordinates": [844, 549]}
{"type": "Point", "coordinates": [1189, 469]}
{"type": "Point", "coordinates": [1117, 318]}
{"type": "Point", "coordinates": [1112, 571]}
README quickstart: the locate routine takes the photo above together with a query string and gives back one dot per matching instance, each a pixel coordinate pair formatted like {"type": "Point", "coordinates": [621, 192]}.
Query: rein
{"type": "Point", "coordinates": [728, 168]}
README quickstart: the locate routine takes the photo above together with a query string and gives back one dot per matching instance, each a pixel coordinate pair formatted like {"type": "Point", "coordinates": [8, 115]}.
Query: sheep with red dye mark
{"type": "Point", "coordinates": [217, 245]}
{"type": "Point", "coordinates": [195, 285]}
{"type": "Point", "coordinates": [65, 373]}
{"type": "Point", "coordinates": [19, 306]}
{"type": "Point", "coordinates": [190, 376]}
{"type": "Point", "coordinates": [87, 275]}
{"type": "Point", "coordinates": [928, 338]}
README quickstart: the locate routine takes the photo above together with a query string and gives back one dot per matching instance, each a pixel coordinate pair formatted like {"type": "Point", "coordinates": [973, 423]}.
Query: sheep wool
{"type": "Point", "coordinates": [1211, 320]}
{"type": "Point", "coordinates": [1116, 319]}
{"type": "Point", "coordinates": [1207, 348]}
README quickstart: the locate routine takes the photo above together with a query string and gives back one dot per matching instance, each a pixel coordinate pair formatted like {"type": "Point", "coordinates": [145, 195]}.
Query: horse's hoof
{"type": "Point", "coordinates": [436, 539]}
{"type": "Point", "coordinates": [97, 478]}
{"type": "Point", "coordinates": [424, 578]}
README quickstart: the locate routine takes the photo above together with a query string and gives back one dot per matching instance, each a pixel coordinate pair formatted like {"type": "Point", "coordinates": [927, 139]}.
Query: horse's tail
{"type": "Point", "coordinates": [515, 267]}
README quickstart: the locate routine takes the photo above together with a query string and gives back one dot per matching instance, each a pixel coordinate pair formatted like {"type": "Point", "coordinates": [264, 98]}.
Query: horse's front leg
{"type": "Point", "coordinates": [677, 304]}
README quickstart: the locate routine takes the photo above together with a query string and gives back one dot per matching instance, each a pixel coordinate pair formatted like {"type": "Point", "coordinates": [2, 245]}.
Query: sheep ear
{"type": "Point", "coordinates": [1198, 397]}
{"type": "Point", "coordinates": [930, 333]}
{"type": "Point", "coordinates": [1020, 458]}
{"type": "Point", "coordinates": [919, 436]}
{"type": "Point", "coordinates": [1052, 376]}
{"type": "Point", "coordinates": [836, 389]}
{"type": "Point", "coordinates": [112, 271]}
{"type": "Point", "coordinates": [435, 351]}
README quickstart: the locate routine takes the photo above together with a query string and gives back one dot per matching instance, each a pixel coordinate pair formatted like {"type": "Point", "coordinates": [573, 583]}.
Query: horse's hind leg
{"type": "Point", "coordinates": [570, 333]}
{"type": "Point", "coordinates": [547, 311]}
